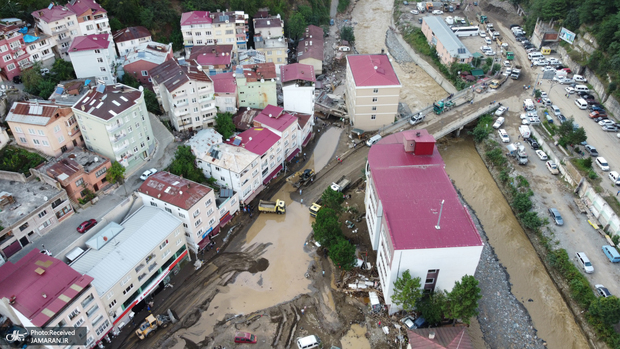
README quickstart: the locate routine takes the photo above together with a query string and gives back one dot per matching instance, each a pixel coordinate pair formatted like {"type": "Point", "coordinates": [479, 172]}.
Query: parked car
{"type": "Point", "coordinates": [579, 78]}
{"type": "Point", "coordinates": [606, 122]}
{"type": "Point", "coordinates": [482, 34]}
{"type": "Point", "coordinates": [602, 163]}
{"type": "Point", "coordinates": [556, 110]}
{"type": "Point", "coordinates": [553, 168]}
{"type": "Point", "coordinates": [544, 94]}
{"type": "Point", "coordinates": [532, 142]}
{"type": "Point", "coordinates": [489, 53]}
{"type": "Point", "coordinates": [245, 337]}
{"type": "Point", "coordinates": [584, 261]}
{"type": "Point", "coordinates": [530, 121]}
{"type": "Point", "coordinates": [541, 155]}
{"type": "Point", "coordinates": [602, 291]}
{"type": "Point", "coordinates": [86, 226]}
{"type": "Point", "coordinates": [615, 177]}
{"type": "Point", "coordinates": [148, 173]}
{"type": "Point", "coordinates": [540, 62]}
{"type": "Point", "coordinates": [611, 128]}
{"type": "Point", "coordinates": [591, 150]}
{"type": "Point", "coordinates": [501, 110]}
{"type": "Point", "coordinates": [437, 12]}
{"type": "Point", "coordinates": [563, 68]}
{"type": "Point", "coordinates": [503, 135]}
{"type": "Point", "coordinates": [408, 322]}
{"type": "Point", "coordinates": [556, 216]}
{"type": "Point", "coordinates": [498, 123]}
{"type": "Point", "coordinates": [485, 48]}
{"type": "Point", "coordinates": [562, 118]}
{"type": "Point", "coordinates": [596, 107]}
{"type": "Point", "coordinates": [414, 12]}
{"type": "Point", "coordinates": [598, 114]}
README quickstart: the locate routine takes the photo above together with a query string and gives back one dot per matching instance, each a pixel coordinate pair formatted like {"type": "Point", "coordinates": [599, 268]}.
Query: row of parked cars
{"type": "Point", "coordinates": [519, 34]}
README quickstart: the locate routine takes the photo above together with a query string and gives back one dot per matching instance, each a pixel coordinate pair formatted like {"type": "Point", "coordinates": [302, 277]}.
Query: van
{"type": "Point", "coordinates": [374, 139]}
{"type": "Point", "coordinates": [549, 118]}
{"type": "Point", "coordinates": [581, 103]}
{"type": "Point", "coordinates": [528, 105]}
{"type": "Point", "coordinates": [488, 41]}
{"type": "Point", "coordinates": [584, 261]}
{"type": "Point", "coordinates": [308, 342]}
{"type": "Point", "coordinates": [581, 88]}
{"type": "Point", "coordinates": [534, 55]}
{"type": "Point", "coordinates": [420, 7]}
{"type": "Point", "coordinates": [611, 253]}
{"type": "Point", "coordinates": [614, 176]}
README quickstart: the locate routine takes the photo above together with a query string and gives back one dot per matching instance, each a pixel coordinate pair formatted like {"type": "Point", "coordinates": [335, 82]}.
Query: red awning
{"type": "Point", "coordinates": [307, 140]}
{"type": "Point", "coordinates": [253, 195]}
{"type": "Point", "coordinates": [203, 243]}
{"type": "Point", "coordinates": [225, 219]}
{"type": "Point", "coordinates": [12, 249]}
{"type": "Point", "coordinates": [290, 157]}
{"type": "Point", "coordinates": [273, 174]}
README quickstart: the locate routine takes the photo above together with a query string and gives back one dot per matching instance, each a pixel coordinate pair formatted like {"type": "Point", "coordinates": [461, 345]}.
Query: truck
{"type": "Point", "coordinates": [429, 6]}
{"type": "Point", "coordinates": [481, 18]}
{"type": "Point", "coordinates": [341, 185]}
{"type": "Point", "coordinates": [515, 74]}
{"type": "Point", "coordinates": [525, 131]}
{"type": "Point", "coordinates": [517, 151]}
{"type": "Point", "coordinates": [152, 323]}
{"type": "Point", "coordinates": [420, 7]}
{"type": "Point", "coordinates": [277, 206]}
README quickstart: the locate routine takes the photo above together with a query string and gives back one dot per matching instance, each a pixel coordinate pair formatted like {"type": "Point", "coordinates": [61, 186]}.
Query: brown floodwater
{"type": "Point", "coordinates": [550, 314]}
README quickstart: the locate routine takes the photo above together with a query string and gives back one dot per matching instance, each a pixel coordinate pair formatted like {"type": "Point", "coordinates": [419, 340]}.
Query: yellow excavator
{"type": "Point", "coordinates": [152, 323]}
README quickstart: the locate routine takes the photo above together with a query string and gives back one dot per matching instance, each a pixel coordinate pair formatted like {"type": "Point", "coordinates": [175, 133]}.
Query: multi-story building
{"type": "Point", "coordinates": [373, 91]}
{"type": "Point", "coordinates": [45, 127]}
{"type": "Point", "coordinates": [202, 28]}
{"type": "Point", "coordinates": [145, 57]}
{"type": "Point", "coordinates": [267, 145]}
{"type": "Point", "coordinates": [298, 87]}
{"type": "Point", "coordinates": [128, 39]}
{"type": "Point", "coordinates": [68, 92]}
{"type": "Point", "coordinates": [94, 55]}
{"type": "Point", "coordinates": [92, 18]}
{"type": "Point", "coordinates": [225, 89]}
{"type": "Point", "coordinates": [250, 57]}
{"type": "Point", "coordinates": [256, 85]}
{"type": "Point", "coordinates": [42, 291]}
{"type": "Point", "coordinates": [115, 123]}
{"type": "Point", "coordinates": [40, 47]}
{"type": "Point", "coordinates": [193, 203]}
{"type": "Point", "coordinates": [29, 210]}
{"type": "Point", "coordinates": [285, 126]}
{"type": "Point", "coordinates": [449, 47]}
{"type": "Point", "coordinates": [275, 50]}
{"type": "Point", "coordinates": [186, 94]}
{"type": "Point", "coordinates": [214, 59]}
{"type": "Point", "coordinates": [78, 172]}
{"type": "Point", "coordinates": [418, 223]}
{"type": "Point", "coordinates": [128, 261]}
{"type": "Point", "coordinates": [310, 48]}
{"type": "Point", "coordinates": [60, 23]}
{"type": "Point", "coordinates": [268, 27]}
{"type": "Point", "coordinates": [13, 51]}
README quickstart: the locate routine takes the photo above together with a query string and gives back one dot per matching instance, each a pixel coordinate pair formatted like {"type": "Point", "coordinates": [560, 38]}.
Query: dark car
{"type": "Point", "coordinates": [562, 118]}
{"type": "Point", "coordinates": [602, 291]}
{"type": "Point", "coordinates": [17, 79]}
{"type": "Point", "coordinates": [591, 150]}
{"type": "Point", "coordinates": [585, 95]}
{"type": "Point", "coordinates": [555, 215]}
{"type": "Point", "coordinates": [596, 107]}
{"type": "Point", "coordinates": [86, 226]}
{"type": "Point", "coordinates": [532, 142]}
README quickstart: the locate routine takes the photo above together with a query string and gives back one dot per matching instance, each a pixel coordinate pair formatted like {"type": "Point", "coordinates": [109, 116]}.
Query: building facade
{"type": "Point", "coordinates": [186, 94]}
{"type": "Point", "coordinates": [201, 28]}
{"type": "Point", "coordinates": [40, 47]}
{"type": "Point", "coordinates": [145, 57]}
{"type": "Point", "coordinates": [373, 91]}
{"type": "Point", "coordinates": [115, 123]}
{"type": "Point", "coordinates": [310, 48]}
{"type": "Point", "coordinates": [13, 50]}
{"type": "Point", "coordinates": [298, 87]}
{"type": "Point", "coordinates": [449, 47]}
{"type": "Point", "coordinates": [286, 127]}
{"type": "Point", "coordinates": [402, 215]}
{"type": "Point", "coordinates": [60, 23]}
{"type": "Point", "coordinates": [91, 17]}
{"type": "Point", "coordinates": [68, 300]}
{"type": "Point", "coordinates": [256, 85]}
{"type": "Point", "coordinates": [128, 39]}
{"type": "Point", "coordinates": [225, 89]}
{"type": "Point", "coordinates": [46, 127]}
{"type": "Point", "coordinates": [94, 55]}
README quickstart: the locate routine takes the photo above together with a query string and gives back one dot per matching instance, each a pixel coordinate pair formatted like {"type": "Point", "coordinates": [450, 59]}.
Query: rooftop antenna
{"type": "Point", "coordinates": [439, 219]}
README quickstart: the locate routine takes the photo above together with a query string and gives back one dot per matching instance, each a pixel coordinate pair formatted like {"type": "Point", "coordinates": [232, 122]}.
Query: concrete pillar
{"type": "Point", "coordinates": [458, 132]}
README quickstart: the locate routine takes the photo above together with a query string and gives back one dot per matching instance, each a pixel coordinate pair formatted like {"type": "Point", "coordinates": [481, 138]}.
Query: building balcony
{"type": "Point", "coordinates": [20, 54]}
{"type": "Point", "coordinates": [180, 104]}
{"type": "Point", "coordinates": [60, 29]}
{"type": "Point", "coordinates": [26, 64]}
{"type": "Point", "coordinates": [120, 147]}
{"type": "Point", "coordinates": [118, 138]}
{"type": "Point", "coordinates": [181, 112]}
{"type": "Point", "coordinates": [114, 126]}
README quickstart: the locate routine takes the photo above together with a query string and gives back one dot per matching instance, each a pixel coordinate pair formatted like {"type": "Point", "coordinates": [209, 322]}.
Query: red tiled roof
{"type": "Point", "coordinates": [82, 6]}
{"type": "Point", "coordinates": [449, 337]}
{"type": "Point", "coordinates": [279, 120]}
{"type": "Point", "coordinates": [173, 75]}
{"type": "Point", "coordinates": [54, 14]}
{"type": "Point", "coordinates": [257, 140]}
{"type": "Point", "coordinates": [297, 71]}
{"type": "Point", "coordinates": [48, 110]}
{"type": "Point", "coordinates": [89, 42]}
{"type": "Point", "coordinates": [212, 54]}
{"type": "Point", "coordinates": [40, 285]}
{"type": "Point", "coordinates": [258, 71]}
{"type": "Point", "coordinates": [196, 17]}
{"type": "Point", "coordinates": [411, 189]}
{"type": "Point", "coordinates": [303, 119]}
{"type": "Point", "coordinates": [174, 190]}
{"type": "Point", "coordinates": [312, 34]}
{"type": "Point", "coordinates": [131, 33]}
{"type": "Point", "coordinates": [244, 119]}
{"type": "Point", "coordinates": [224, 83]}
{"type": "Point", "coordinates": [372, 70]}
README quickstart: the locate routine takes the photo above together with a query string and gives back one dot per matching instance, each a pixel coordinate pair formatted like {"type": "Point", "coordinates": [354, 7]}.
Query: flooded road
{"type": "Point", "coordinates": [373, 18]}
{"type": "Point", "coordinates": [355, 338]}
{"type": "Point", "coordinates": [325, 148]}
{"type": "Point", "coordinates": [530, 282]}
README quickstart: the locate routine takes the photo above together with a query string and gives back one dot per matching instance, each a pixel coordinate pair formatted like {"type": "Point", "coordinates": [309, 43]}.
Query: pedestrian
{"type": "Point", "coordinates": [299, 191]}
{"type": "Point", "coordinates": [618, 193]}
{"type": "Point", "coordinates": [302, 201]}
{"type": "Point", "coordinates": [217, 250]}
{"type": "Point", "coordinates": [567, 96]}
{"type": "Point", "coordinates": [148, 307]}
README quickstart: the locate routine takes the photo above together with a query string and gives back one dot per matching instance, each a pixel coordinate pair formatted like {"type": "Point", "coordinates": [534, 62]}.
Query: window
{"type": "Point", "coordinates": [212, 221]}
{"type": "Point", "coordinates": [42, 213]}
{"type": "Point", "coordinates": [7, 58]}
{"type": "Point", "coordinates": [129, 288]}
{"type": "Point", "coordinates": [375, 90]}
{"type": "Point", "coordinates": [374, 99]}
{"type": "Point", "coordinates": [3, 48]}
{"type": "Point", "coordinates": [10, 66]}
{"type": "Point", "coordinates": [102, 328]}
{"type": "Point", "coordinates": [99, 60]}
{"type": "Point", "coordinates": [185, 225]}
{"type": "Point", "coordinates": [97, 51]}
{"type": "Point", "coordinates": [18, 129]}
{"type": "Point", "coordinates": [373, 117]}
{"type": "Point", "coordinates": [79, 182]}
{"type": "Point", "coordinates": [374, 108]}
{"type": "Point", "coordinates": [153, 204]}
{"type": "Point", "coordinates": [73, 314]}
{"type": "Point", "coordinates": [126, 280]}
{"type": "Point", "coordinates": [181, 215]}
{"type": "Point", "coordinates": [163, 244]}
{"type": "Point", "coordinates": [208, 203]}
{"type": "Point", "coordinates": [92, 310]}
{"type": "Point", "coordinates": [179, 241]}
{"type": "Point", "coordinates": [90, 27]}
{"type": "Point", "coordinates": [429, 281]}
{"type": "Point", "coordinates": [198, 222]}
{"type": "Point", "coordinates": [145, 73]}
{"type": "Point", "coordinates": [165, 254]}
{"type": "Point", "coordinates": [196, 213]}
{"type": "Point", "coordinates": [56, 128]}
{"type": "Point", "coordinates": [101, 172]}
{"type": "Point", "coordinates": [102, 68]}
{"type": "Point", "coordinates": [168, 209]}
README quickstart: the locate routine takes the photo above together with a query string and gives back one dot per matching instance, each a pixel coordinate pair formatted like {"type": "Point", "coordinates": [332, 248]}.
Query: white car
{"type": "Point", "coordinates": [541, 62]}
{"type": "Point", "coordinates": [489, 53]}
{"type": "Point", "coordinates": [148, 173]}
{"type": "Point", "coordinates": [414, 12]}
{"type": "Point", "coordinates": [552, 167]}
{"type": "Point", "coordinates": [530, 121]}
{"type": "Point", "coordinates": [541, 155]}
{"type": "Point", "coordinates": [579, 78]}
{"type": "Point", "coordinates": [503, 135]}
{"type": "Point", "coordinates": [543, 94]}
{"type": "Point", "coordinates": [606, 122]}
{"type": "Point", "coordinates": [529, 114]}
{"type": "Point", "coordinates": [507, 64]}
{"type": "Point", "coordinates": [602, 163]}
{"type": "Point", "coordinates": [498, 123]}
{"type": "Point", "coordinates": [556, 110]}
{"type": "Point", "coordinates": [437, 12]}
{"type": "Point", "coordinates": [485, 48]}
{"type": "Point", "coordinates": [504, 45]}
{"type": "Point", "coordinates": [615, 177]}
{"type": "Point", "coordinates": [482, 34]}
{"type": "Point", "coordinates": [569, 90]}
{"type": "Point", "coordinates": [547, 68]}
{"type": "Point", "coordinates": [501, 110]}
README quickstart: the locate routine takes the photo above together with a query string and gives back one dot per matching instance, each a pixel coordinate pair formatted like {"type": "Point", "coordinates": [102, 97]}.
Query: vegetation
{"type": "Point", "coordinates": [326, 227]}
{"type": "Point", "coordinates": [332, 199]}
{"type": "Point", "coordinates": [346, 33]}
{"type": "Point", "coordinates": [150, 99]}
{"type": "Point", "coordinates": [343, 5]}
{"type": "Point", "coordinates": [496, 156]}
{"type": "Point", "coordinates": [585, 166]}
{"type": "Point", "coordinates": [569, 135]}
{"type": "Point", "coordinates": [483, 128]}
{"type": "Point", "coordinates": [18, 160]}
{"type": "Point", "coordinates": [43, 86]}
{"type": "Point", "coordinates": [224, 124]}
{"type": "Point", "coordinates": [87, 195]}
{"type": "Point", "coordinates": [407, 291]}
{"type": "Point", "coordinates": [462, 301]}
{"type": "Point", "coordinates": [184, 164]}
{"type": "Point", "coordinates": [342, 254]}
{"type": "Point", "coordinates": [297, 25]}
{"type": "Point", "coordinates": [116, 173]}
{"type": "Point", "coordinates": [431, 307]}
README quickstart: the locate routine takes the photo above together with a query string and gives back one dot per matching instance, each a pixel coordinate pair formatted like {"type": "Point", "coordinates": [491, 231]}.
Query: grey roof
{"type": "Point", "coordinates": [141, 233]}
{"type": "Point", "coordinates": [446, 36]}
{"type": "Point", "coordinates": [29, 197]}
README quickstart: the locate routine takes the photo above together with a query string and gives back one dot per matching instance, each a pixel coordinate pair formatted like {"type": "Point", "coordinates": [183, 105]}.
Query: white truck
{"type": "Point", "coordinates": [341, 185]}
{"type": "Point", "coordinates": [525, 131]}
{"type": "Point", "coordinates": [517, 151]}
{"type": "Point", "coordinates": [416, 119]}
{"type": "Point", "coordinates": [420, 7]}
{"type": "Point", "coordinates": [515, 73]}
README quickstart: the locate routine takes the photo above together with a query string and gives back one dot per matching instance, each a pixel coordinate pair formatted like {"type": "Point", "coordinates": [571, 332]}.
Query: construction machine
{"type": "Point", "coordinates": [152, 323]}
{"type": "Point", "coordinates": [305, 177]}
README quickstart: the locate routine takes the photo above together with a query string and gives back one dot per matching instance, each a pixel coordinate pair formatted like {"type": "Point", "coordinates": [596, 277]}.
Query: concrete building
{"type": "Point", "coordinates": [449, 47]}
{"type": "Point", "coordinates": [268, 27]}
{"type": "Point", "coordinates": [15, 57]}
{"type": "Point", "coordinates": [186, 94]}
{"type": "Point", "coordinates": [214, 59]}
{"type": "Point", "coordinates": [256, 85]}
{"type": "Point", "coordinates": [126, 40]}
{"type": "Point", "coordinates": [94, 55]}
{"type": "Point", "coordinates": [45, 127]}
{"type": "Point", "coordinates": [40, 47]}
{"type": "Point", "coordinates": [193, 203]}
{"type": "Point", "coordinates": [92, 18]}
{"type": "Point", "coordinates": [250, 57]}
{"type": "Point", "coordinates": [67, 93]}
{"type": "Point", "coordinates": [115, 123]}
{"type": "Point", "coordinates": [310, 48]}
{"type": "Point", "coordinates": [267, 145]}
{"type": "Point", "coordinates": [202, 28]}
{"type": "Point", "coordinates": [145, 57]}
{"type": "Point", "coordinates": [407, 187]}
{"type": "Point", "coordinates": [298, 87]}
{"type": "Point", "coordinates": [29, 210]}
{"type": "Point", "coordinates": [42, 291]}
{"type": "Point", "coordinates": [129, 261]}
{"type": "Point", "coordinates": [372, 91]}
{"type": "Point", "coordinates": [544, 35]}
{"type": "Point", "coordinates": [269, 38]}
{"type": "Point", "coordinates": [225, 88]}
{"type": "Point", "coordinates": [77, 171]}
{"type": "Point", "coordinates": [60, 23]}
{"type": "Point", "coordinates": [286, 127]}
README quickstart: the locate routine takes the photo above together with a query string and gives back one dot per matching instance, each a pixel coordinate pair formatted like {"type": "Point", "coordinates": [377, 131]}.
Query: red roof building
{"type": "Point", "coordinates": [449, 337]}
{"type": "Point", "coordinates": [196, 17]}
{"type": "Point", "coordinates": [214, 59]}
{"type": "Point", "coordinates": [416, 220]}
{"type": "Point", "coordinates": [15, 56]}
{"type": "Point", "coordinates": [297, 71]}
{"type": "Point", "coordinates": [256, 140]}
{"type": "Point", "coordinates": [90, 42]}
{"type": "Point", "coordinates": [129, 38]}
{"type": "Point", "coordinates": [298, 82]}
{"type": "Point", "coordinates": [145, 57]}
{"type": "Point", "coordinates": [310, 48]}
{"type": "Point", "coordinates": [225, 87]}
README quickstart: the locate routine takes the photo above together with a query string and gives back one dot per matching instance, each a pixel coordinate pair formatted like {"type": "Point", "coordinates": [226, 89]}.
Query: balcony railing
{"type": "Point", "coordinates": [60, 29]}
{"type": "Point", "coordinates": [114, 126]}
{"type": "Point", "coordinates": [118, 138]}
{"type": "Point", "coordinates": [120, 147]}
{"type": "Point", "coordinates": [181, 112]}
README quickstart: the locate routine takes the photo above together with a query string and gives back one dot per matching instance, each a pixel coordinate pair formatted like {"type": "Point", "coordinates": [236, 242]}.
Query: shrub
{"type": "Point", "coordinates": [496, 157]}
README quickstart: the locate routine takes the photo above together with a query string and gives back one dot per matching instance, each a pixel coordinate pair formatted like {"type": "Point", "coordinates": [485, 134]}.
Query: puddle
{"type": "Point", "coordinates": [355, 338]}
{"type": "Point", "coordinates": [325, 148]}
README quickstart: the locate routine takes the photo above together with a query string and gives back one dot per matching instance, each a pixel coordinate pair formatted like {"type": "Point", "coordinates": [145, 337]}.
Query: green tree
{"type": "Point", "coordinates": [342, 253]}
{"type": "Point", "coordinates": [482, 129]}
{"type": "Point", "coordinates": [462, 301]}
{"type": "Point", "coordinates": [184, 164]}
{"type": "Point", "coordinates": [407, 291]}
{"type": "Point", "coordinates": [224, 124]}
{"type": "Point", "coordinates": [496, 68]}
{"type": "Point", "coordinates": [431, 307]}
{"type": "Point", "coordinates": [488, 61]}
{"type": "Point", "coordinates": [152, 105]}
{"type": "Point", "coordinates": [569, 135]}
{"type": "Point", "coordinates": [346, 33]}
{"type": "Point", "coordinates": [46, 88]}
{"type": "Point", "coordinates": [146, 18]}
{"type": "Point", "coordinates": [130, 80]}
{"type": "Point", "coordinates": [531, 220]}
{"type": "Point", "coordinates": [115, 24]}
{"type": "Point", "coordinates": [63, 70]}
{"type": "Point", "coordinates": [116, 173]}
{"type": "Point", "coordinates": [32, 78]}
{"type": "Point", "coordinates": [521, 202]}
{"type": "Point", "coordinates": [607, 309]}
{"type": "Point", "coordinates": [332, 199]}
{"type": "Point", "coordinates": [296, 25]}
{"type": "Point", "coordinates": [326, 227]}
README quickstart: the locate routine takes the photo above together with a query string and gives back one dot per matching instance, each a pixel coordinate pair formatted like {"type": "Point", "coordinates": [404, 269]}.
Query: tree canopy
{"type": "Point", "coordinates": [116, 173]}
{"type": "Point", "coordinates": [224, 125]}
{"type": "Point", "coordinates": [184, 164]}
{"type": "Point", "coordinates": [607, 309]}
{"type": "Point", "coordinates": [332, 199]}
{"type": "Point", "coordinates": [462, 301]}
{"type": "Point", "coordinates": [407, 291]}
{"type": "Point", "coordinates": [342, 254]}
{"type": "Point", "coordinates": [326, 227]}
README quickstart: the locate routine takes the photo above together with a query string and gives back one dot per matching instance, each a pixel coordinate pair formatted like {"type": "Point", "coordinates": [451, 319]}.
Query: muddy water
{"type": "Point", "coordinates": [355, 338]}
{"type": "Point", "coordinates": [373, 18]}
{"type": "Point", "coordinates": [324, 150]}
{"type": "Point", "coordinates": [529, 279]}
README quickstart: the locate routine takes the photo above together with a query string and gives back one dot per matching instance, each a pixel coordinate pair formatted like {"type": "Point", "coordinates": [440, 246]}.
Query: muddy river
{"type": "Point", "coordinates": [549, 313]}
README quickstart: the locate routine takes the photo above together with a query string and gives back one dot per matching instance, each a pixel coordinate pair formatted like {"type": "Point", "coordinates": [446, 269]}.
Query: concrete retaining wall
{"type": "Point", "coordinates": [610, 222]}
{"type": "Point", "coordinates": [15, 176]}
{"type": "Point", "coordinates": [570, 174]}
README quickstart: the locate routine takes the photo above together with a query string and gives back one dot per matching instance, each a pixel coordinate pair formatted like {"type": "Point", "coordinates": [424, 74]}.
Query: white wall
{"type": "Point", "coordinates": [299, 99]}
{"type": "Point", "coordinates": [86, 65]}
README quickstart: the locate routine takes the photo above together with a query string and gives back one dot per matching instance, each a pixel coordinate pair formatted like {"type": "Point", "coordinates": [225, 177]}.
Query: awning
{"type": "Point", "coordinates": [227, 217]}
{"type": "Point", "coordinates": [307, 139]}
{"type": "Point", "coordinates": [290, 157]}
{"type": "Point", "coordinates": [203, 243]}
{"type": "Point", "coordinates": [273, 174]}
{"type": "Point", "coordinates": [12, 249]}
{"type": "Point", "coordinates": [253, 195]}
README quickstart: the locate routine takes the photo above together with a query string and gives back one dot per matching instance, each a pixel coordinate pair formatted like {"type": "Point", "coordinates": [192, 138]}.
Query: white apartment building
{"type": "Point", "coordinates": [225, 87]}
{"type": "Point", "coordinates": [42, 49]}
{"type": "Point", "coordinates": [285, 126]}
{"type": "Point", "coordinates": [94, 55]}
{"type": "Point", "coordinates": [130, 38]}
{"type": "Point", "coordinates": [60, 23]}
{"type": "Point", "coordinates": [92, 18]}
{"type": "Point", "coordinates": [186, 93]}
{"type": "Point", "coordinates": [202, 28]}
{"type": "Point", "coordinates": [298, 87]}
